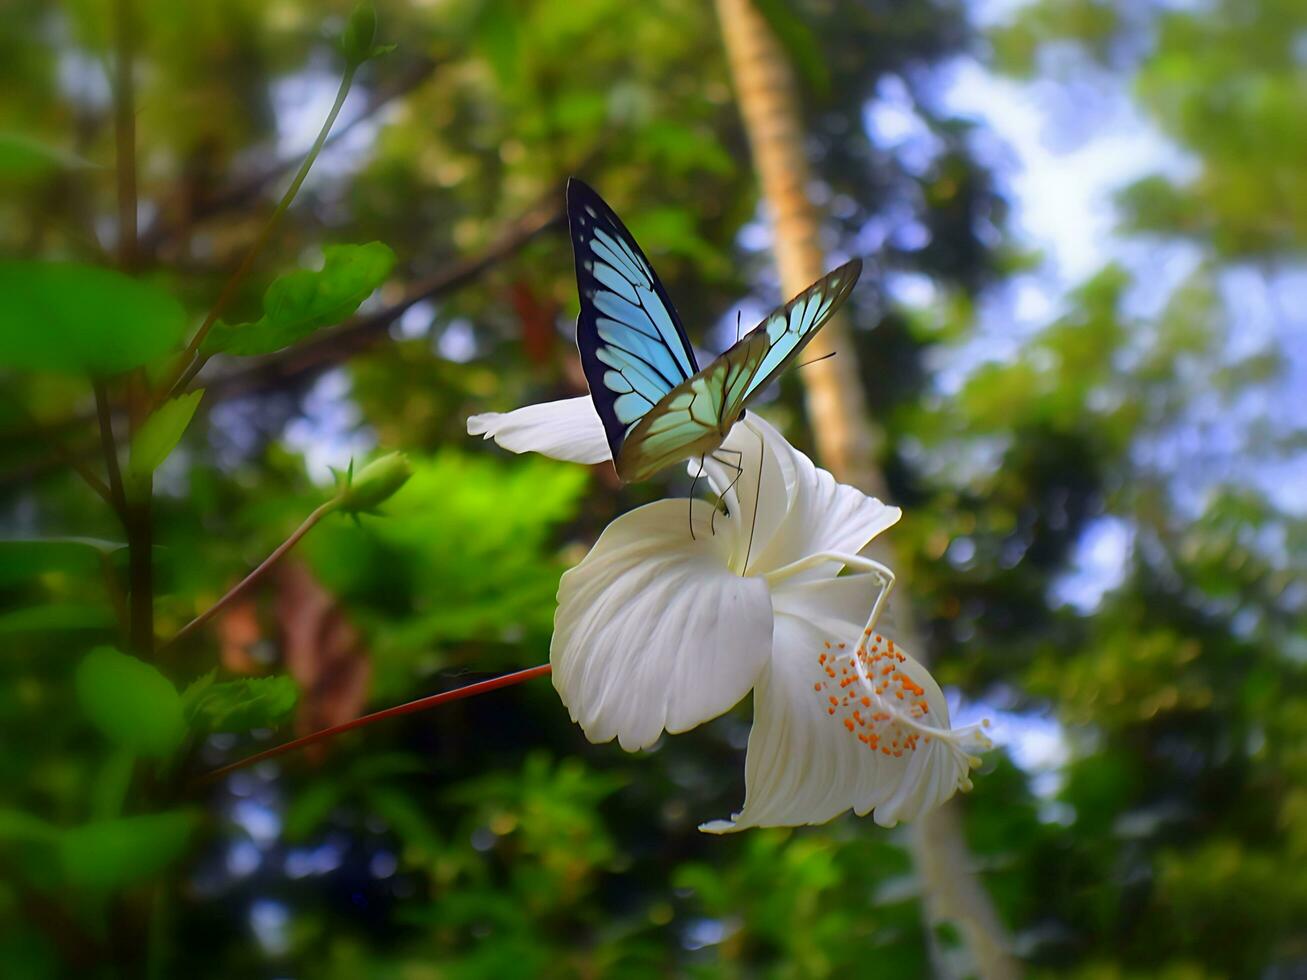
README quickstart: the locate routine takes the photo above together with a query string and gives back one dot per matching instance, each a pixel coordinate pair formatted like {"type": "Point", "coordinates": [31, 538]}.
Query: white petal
{"type": "Point", "coordinates": [823, 514]}
{"type": "Point", "coordinates": [653, 631]}
{"type": "Point", "coordinates": [746, 471]}
{"type": "Point", "coordinates": [569, 429]}
{"type": "Point", "coordinates": [801, 509]}
{"type": "Point", "coordinates": [810, 758]}
{"type": "Point", "coordinates": [846, 600]}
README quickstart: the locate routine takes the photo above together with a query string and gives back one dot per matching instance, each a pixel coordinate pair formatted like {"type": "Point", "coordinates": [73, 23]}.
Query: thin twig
{"type": "Point", "coordinates": [164, 229]}
{"type": "Point", "coordinates": [421, 704]}
{"type": "Point", "coordinates": [85, 472]}
{"type": "Point", "coordinates": [322, 511]}
{"type": "Point", "coordinates": [62, 453]}
{"type": "Point", "coordinates": [228, 292]}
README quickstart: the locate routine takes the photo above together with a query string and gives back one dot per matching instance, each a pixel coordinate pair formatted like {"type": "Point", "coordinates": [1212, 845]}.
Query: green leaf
{"type": "Point", "coordinates": [63, 316]}
{"type": "Point", "coordinates": [302, 301]}
{"type": "Point", "coordinates": [238, 706]}
{"type": "Point", "coordinates": [22, 559]}
{"type": "Point", "coordinates": [130, 702]}
{"type": "Point", "coordinates": [160, 433]}
{"type": "Point", "coordinates": [310, 808]}
{"type": "Point", "coordinates": [112, 781]}
{"type": "Point", "coordinates": [22, 156]}
{"type": "Point", "coordinates": [195, 691]}
{"type": "Point", "coordinates": [495, 33]}
{"type": "Point", "coordinates": [20, 826]}
{"type": "Point", "coordinates": [56, 616]}
{"type": "Point", "coordinates": [110, 854]}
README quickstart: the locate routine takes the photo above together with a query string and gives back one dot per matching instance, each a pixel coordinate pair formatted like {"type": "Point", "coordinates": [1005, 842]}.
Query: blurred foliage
{"type": "Point", "coordinates": [487, 839]}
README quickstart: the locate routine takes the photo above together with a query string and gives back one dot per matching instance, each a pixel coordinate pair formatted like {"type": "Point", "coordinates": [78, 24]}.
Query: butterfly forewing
{"type": "Point", "coordinates": [790, 328]}
{"type": "Point", "coordinates": [657, 407]}
{"type": "Point", "coordinates": [633, 347]}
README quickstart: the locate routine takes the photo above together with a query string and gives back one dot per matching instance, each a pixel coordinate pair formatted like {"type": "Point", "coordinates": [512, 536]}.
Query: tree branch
{"type": "Point", "coordinates": [768, 95]}
{"type": "Point", "coordinates": [331, 347]}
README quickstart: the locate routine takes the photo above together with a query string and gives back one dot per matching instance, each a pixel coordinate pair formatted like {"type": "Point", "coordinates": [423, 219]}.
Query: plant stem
{"type": "Point", "coordinates": [109, 448]}
{"type": "Point", "coordinates": [125, 132]}
{"type": "Point", "coordinates": [278, 553]}
{"type": "Point", "coordinates": [408, 708]}
{"type": "Point", "coordinates": [185, 366]}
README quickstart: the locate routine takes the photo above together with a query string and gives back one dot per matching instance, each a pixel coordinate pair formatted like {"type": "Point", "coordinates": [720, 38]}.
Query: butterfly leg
{"type": "Point", "coordinates": [738, 467]}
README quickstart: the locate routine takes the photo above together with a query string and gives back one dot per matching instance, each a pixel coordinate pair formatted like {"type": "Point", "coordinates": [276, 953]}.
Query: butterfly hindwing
{"type": "Point", "coordinates": [695, 416]}
{"type": "Point", "coordinates": [633, 347]}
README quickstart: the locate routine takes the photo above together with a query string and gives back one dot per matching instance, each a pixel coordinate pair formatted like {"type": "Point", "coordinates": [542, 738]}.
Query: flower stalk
{"type": "Point", "coordinates": [262, 569]}
{"type": "Point", "coordinates": [408, 708]}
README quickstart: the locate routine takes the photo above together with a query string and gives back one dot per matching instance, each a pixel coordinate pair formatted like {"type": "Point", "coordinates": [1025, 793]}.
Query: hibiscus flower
{"type": "Point", "coordinates": [659, 629]}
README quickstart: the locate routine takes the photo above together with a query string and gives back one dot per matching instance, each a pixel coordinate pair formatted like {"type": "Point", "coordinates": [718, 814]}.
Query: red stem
{"type": "Point", "coordinates": [408, 708]}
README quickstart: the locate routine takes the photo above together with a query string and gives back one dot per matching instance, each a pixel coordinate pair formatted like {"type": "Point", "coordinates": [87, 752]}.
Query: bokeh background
{"type": "Point", "coordinates": [1082, 339]}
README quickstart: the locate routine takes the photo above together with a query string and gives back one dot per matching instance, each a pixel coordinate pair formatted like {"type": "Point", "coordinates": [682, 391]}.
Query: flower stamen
{"type": "Point", "coordinates": [887, 710]}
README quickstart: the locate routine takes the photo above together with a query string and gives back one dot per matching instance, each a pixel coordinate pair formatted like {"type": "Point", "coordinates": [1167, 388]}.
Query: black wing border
{"type": "Point", "coordinates": [581, 195]}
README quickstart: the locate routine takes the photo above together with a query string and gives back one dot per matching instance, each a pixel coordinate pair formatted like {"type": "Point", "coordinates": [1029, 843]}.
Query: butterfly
{"type": "Point", "coordinates": [658, 408]}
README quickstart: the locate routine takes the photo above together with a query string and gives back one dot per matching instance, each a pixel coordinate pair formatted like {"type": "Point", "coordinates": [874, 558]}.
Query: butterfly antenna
{"type": "Point", "coordinates": [816, 359]}
{"type": "Point", "coordinates": [737, 326]}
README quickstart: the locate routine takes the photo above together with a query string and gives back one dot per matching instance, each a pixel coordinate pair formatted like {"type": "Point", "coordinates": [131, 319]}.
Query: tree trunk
{"type": "Point", "coordinates": [768, 96]}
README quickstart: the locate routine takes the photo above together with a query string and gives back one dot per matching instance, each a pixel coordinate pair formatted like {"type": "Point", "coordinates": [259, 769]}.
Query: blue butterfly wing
{"type": "Point", "coordinates": [633, 347]}
{"type": "Point", "coordinates": [791, 327]}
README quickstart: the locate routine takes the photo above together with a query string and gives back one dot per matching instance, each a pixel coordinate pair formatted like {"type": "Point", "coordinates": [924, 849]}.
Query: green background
{"type": "Point", "coordinates": [1101, 464]}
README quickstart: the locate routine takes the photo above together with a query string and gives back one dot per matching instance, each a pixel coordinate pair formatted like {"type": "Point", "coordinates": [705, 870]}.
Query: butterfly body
{"type": "Point", "coordinates": [657, 406]}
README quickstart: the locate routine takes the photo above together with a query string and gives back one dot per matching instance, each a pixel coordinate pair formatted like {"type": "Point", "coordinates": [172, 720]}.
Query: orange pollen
{"type": "Point", "coordinates": [881, 730]}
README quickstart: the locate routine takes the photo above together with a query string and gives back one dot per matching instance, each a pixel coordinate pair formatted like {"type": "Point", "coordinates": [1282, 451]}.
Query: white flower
{"type": "Point", "coordinates": [678, 611]}
{"type": "Point", "coordinates": [569, 429]}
